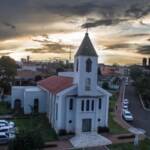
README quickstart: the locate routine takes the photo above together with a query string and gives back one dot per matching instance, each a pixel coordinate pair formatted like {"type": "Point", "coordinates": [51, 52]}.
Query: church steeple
{"type": "Point", "coordinates": [85, 68]}
{"type": "Point", "coordinates": [86, 48]}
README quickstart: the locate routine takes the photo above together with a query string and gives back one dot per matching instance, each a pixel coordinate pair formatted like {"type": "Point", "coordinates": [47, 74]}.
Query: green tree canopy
{"type": "Point", "coordinates": [8, 67]}
{"type": "Point", "coordinates": [135, 72]}
{"type": "Point", "coordinates": [8, 70]}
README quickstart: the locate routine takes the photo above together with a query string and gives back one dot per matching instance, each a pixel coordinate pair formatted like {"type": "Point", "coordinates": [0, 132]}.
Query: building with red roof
{"type": "Point", "coordinates": [73, 101]}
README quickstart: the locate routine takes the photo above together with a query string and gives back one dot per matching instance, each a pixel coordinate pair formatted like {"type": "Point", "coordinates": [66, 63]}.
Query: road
{"type": "Point", "coordinates": [141, 117]}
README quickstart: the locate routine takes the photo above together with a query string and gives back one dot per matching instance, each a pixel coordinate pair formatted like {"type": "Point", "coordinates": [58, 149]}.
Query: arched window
{"type": "Point", "coordinates": [36, 105]}
{"type": "Point", "coordinates": [17, 105]}
{"type": "Point", "coordinates": [88, 65]}
{"type": "Point", "coordinates": [77, 65]}
{"type": "Point", "coordinates": [88, 84]}
{"type": "Point", "coordinates": [71, 104]}
{"type": "Point", "coordinates": [87, 105]}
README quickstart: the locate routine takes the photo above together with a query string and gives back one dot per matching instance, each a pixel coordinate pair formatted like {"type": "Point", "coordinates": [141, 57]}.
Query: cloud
{"type": "Point", "coordinates": [9, 25]}
{"type": "Point", "coordinates": [51, 47]}
{"type": "Point", "coordinates": [34, 17]}
{"type": "Point", "coordinates": [138, 35]}
{"type": "Point", "coordinates": [121, 46]}
{"type": "Point", "coordinates": [144, 49]}
{"type": "Point", "coordinates": [103, 22]}
{"type": "Point", "coordinates": [138, 11]}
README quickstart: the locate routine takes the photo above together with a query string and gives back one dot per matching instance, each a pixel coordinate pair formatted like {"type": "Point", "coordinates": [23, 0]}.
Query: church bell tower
{"type": "Point", "coordinates": [85, 68]}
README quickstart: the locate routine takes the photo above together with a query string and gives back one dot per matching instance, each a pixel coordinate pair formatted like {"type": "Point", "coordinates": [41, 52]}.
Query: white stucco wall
{"type": "Point", "coordinates": [27, 94]}
{"type": "Point", "coordinates": [82, 75]}
{"type": "Point", "coordinates": [30, 95]}
{"type": "Point", "coordinates": [17, 92]}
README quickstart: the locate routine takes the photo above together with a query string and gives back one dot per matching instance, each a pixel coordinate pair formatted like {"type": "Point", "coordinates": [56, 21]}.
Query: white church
{"type": "Point", "coordinates": [72, 101]}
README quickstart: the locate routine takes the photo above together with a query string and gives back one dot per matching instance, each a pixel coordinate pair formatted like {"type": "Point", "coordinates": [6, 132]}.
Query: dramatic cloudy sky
{"type": "Point", "coordinates": [47, 29]}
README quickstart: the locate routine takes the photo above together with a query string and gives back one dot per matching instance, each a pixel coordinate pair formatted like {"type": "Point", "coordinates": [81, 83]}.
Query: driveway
{"type": "Point", "coordinates": [141, 117]}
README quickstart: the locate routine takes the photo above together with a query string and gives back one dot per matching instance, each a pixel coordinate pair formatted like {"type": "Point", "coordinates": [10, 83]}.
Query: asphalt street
{"type": "Point", "coordinates": [141, 117]}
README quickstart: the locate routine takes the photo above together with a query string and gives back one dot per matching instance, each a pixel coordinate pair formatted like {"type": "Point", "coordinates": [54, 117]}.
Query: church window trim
{"type": "Point", "coordinates": [77, 65]}
{"type": "Point", "coordinates": [71, 104]}
{"type": "Point", "coordinates": [100, 103]}
{"type": "Point", "coordinates": [87, 105]}
{"type": "Point", "coordinates": [92, 105]}
{"type": "Point", "coordinates": [82, 105]}
{"type": "Point", "coordinates": [88, 65]}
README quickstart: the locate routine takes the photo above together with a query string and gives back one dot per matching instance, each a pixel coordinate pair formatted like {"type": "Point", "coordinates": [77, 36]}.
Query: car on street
{"type": "Point", "coordinates": [127, 115]}
{"type": "Point", "coordinates": [8, 129]}
{"type": "Point", "coordinates": [125, 102]}
{"type": "Point", "coordinates": [6, 137]}
{"type": "Point", "coordinates": [125, 106]}
{"type": "Point", "coordinates": [7, 123]}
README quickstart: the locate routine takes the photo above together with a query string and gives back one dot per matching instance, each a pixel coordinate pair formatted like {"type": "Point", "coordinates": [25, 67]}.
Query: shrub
{"type": "Point", "coordinates": [105, 85]}
{"type": "Point", "coordinates": [62, 132]}
{"type": "Point", "coordinates": [29, 140]}
{"type": "Point", "coordinates": [102, 129]}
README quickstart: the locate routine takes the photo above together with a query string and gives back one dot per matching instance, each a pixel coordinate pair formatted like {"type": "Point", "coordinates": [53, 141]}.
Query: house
{"type": "Point", "coordinates": [72, 101]}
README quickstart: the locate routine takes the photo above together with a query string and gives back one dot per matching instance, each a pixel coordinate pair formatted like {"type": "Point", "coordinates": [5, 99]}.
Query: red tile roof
{"type": "Point", "coordinates": [56, 84]}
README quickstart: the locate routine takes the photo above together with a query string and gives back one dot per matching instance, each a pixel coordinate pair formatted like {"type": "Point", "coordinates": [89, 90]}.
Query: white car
{"type": "Point", "coordinates": [127, 115]}
{"type": "Point", "coordinates": [7, 123]}
{"type": "Point", "coordinates": [6, 137]}
{"type": "Point", "coordinates": [8, 129]}
{"type": "Point", "coordinates": [125, 102]}
{"type": "Point", "coordinates": [125, 106]}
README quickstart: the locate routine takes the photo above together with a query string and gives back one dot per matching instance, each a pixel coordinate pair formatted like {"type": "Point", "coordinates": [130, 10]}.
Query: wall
{"type": "Point", "coordinates": [17, 93]}
{"type": "Point", "coordinates": [81, 75]}
{"type": "Point", "coordinates": [29, 97]}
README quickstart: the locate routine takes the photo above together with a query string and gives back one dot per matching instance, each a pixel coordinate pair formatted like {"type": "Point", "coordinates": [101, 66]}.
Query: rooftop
{"type": "Point", "coordinates": [56, 84]}
{"type": "Point", "coordinates": [86, 48]}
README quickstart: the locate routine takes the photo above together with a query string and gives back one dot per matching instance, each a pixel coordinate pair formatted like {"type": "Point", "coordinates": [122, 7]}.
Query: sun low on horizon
{"type": "Point", "coordinates": [119, 31]}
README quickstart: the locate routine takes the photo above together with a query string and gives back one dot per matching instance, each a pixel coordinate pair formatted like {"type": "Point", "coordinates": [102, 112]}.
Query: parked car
{"type": "Point", "coordinates": [127, 115]}
{"type": "Point", "coordinates": [6, 137]}
{"type": "Point", "coordinates": [7, 123]}
{"type": "Point", "coordinates": [125, 102]}
{"type": "Point", "coordinates": [8, 129]}
{"type": "Point", "coordinates": [125, 106]}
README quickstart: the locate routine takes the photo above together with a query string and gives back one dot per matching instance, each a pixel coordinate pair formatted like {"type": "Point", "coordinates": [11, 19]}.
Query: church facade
{"type": "Point", "coordinates": [72, 100]}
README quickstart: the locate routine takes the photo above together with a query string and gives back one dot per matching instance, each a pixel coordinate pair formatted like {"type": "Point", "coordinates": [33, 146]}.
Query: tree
{"type": "Point", "coordinates": [105, 85]}
{"type": "Point", "coordinates": [135, 72]}
{"type": "Point", "coordinates": [27, 140]}
{"type": "Point", "coordinates": [8, 70]}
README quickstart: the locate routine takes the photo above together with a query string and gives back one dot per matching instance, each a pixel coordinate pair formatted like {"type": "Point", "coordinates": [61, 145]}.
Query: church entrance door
{"type": "Point", "coordinates": [86, 125]}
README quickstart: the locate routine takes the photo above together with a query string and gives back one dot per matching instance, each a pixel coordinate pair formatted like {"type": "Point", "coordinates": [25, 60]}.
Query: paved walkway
{"type": "Point", "coordinates": [61, 145]}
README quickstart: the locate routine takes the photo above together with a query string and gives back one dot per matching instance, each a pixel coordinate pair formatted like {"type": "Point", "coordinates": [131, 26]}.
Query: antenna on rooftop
{"type": "Point", "coordinates": [87, 29]}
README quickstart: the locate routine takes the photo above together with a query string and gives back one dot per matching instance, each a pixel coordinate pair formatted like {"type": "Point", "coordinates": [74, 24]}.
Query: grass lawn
{"type": "Point", "coordinates": [39, 122]}
{"type": "Point", "coordinates": [114, 127]}
{"type": "Point", "coordinates": [144, 145]}
{"type": "Point", "coordinates": [4, 108]}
